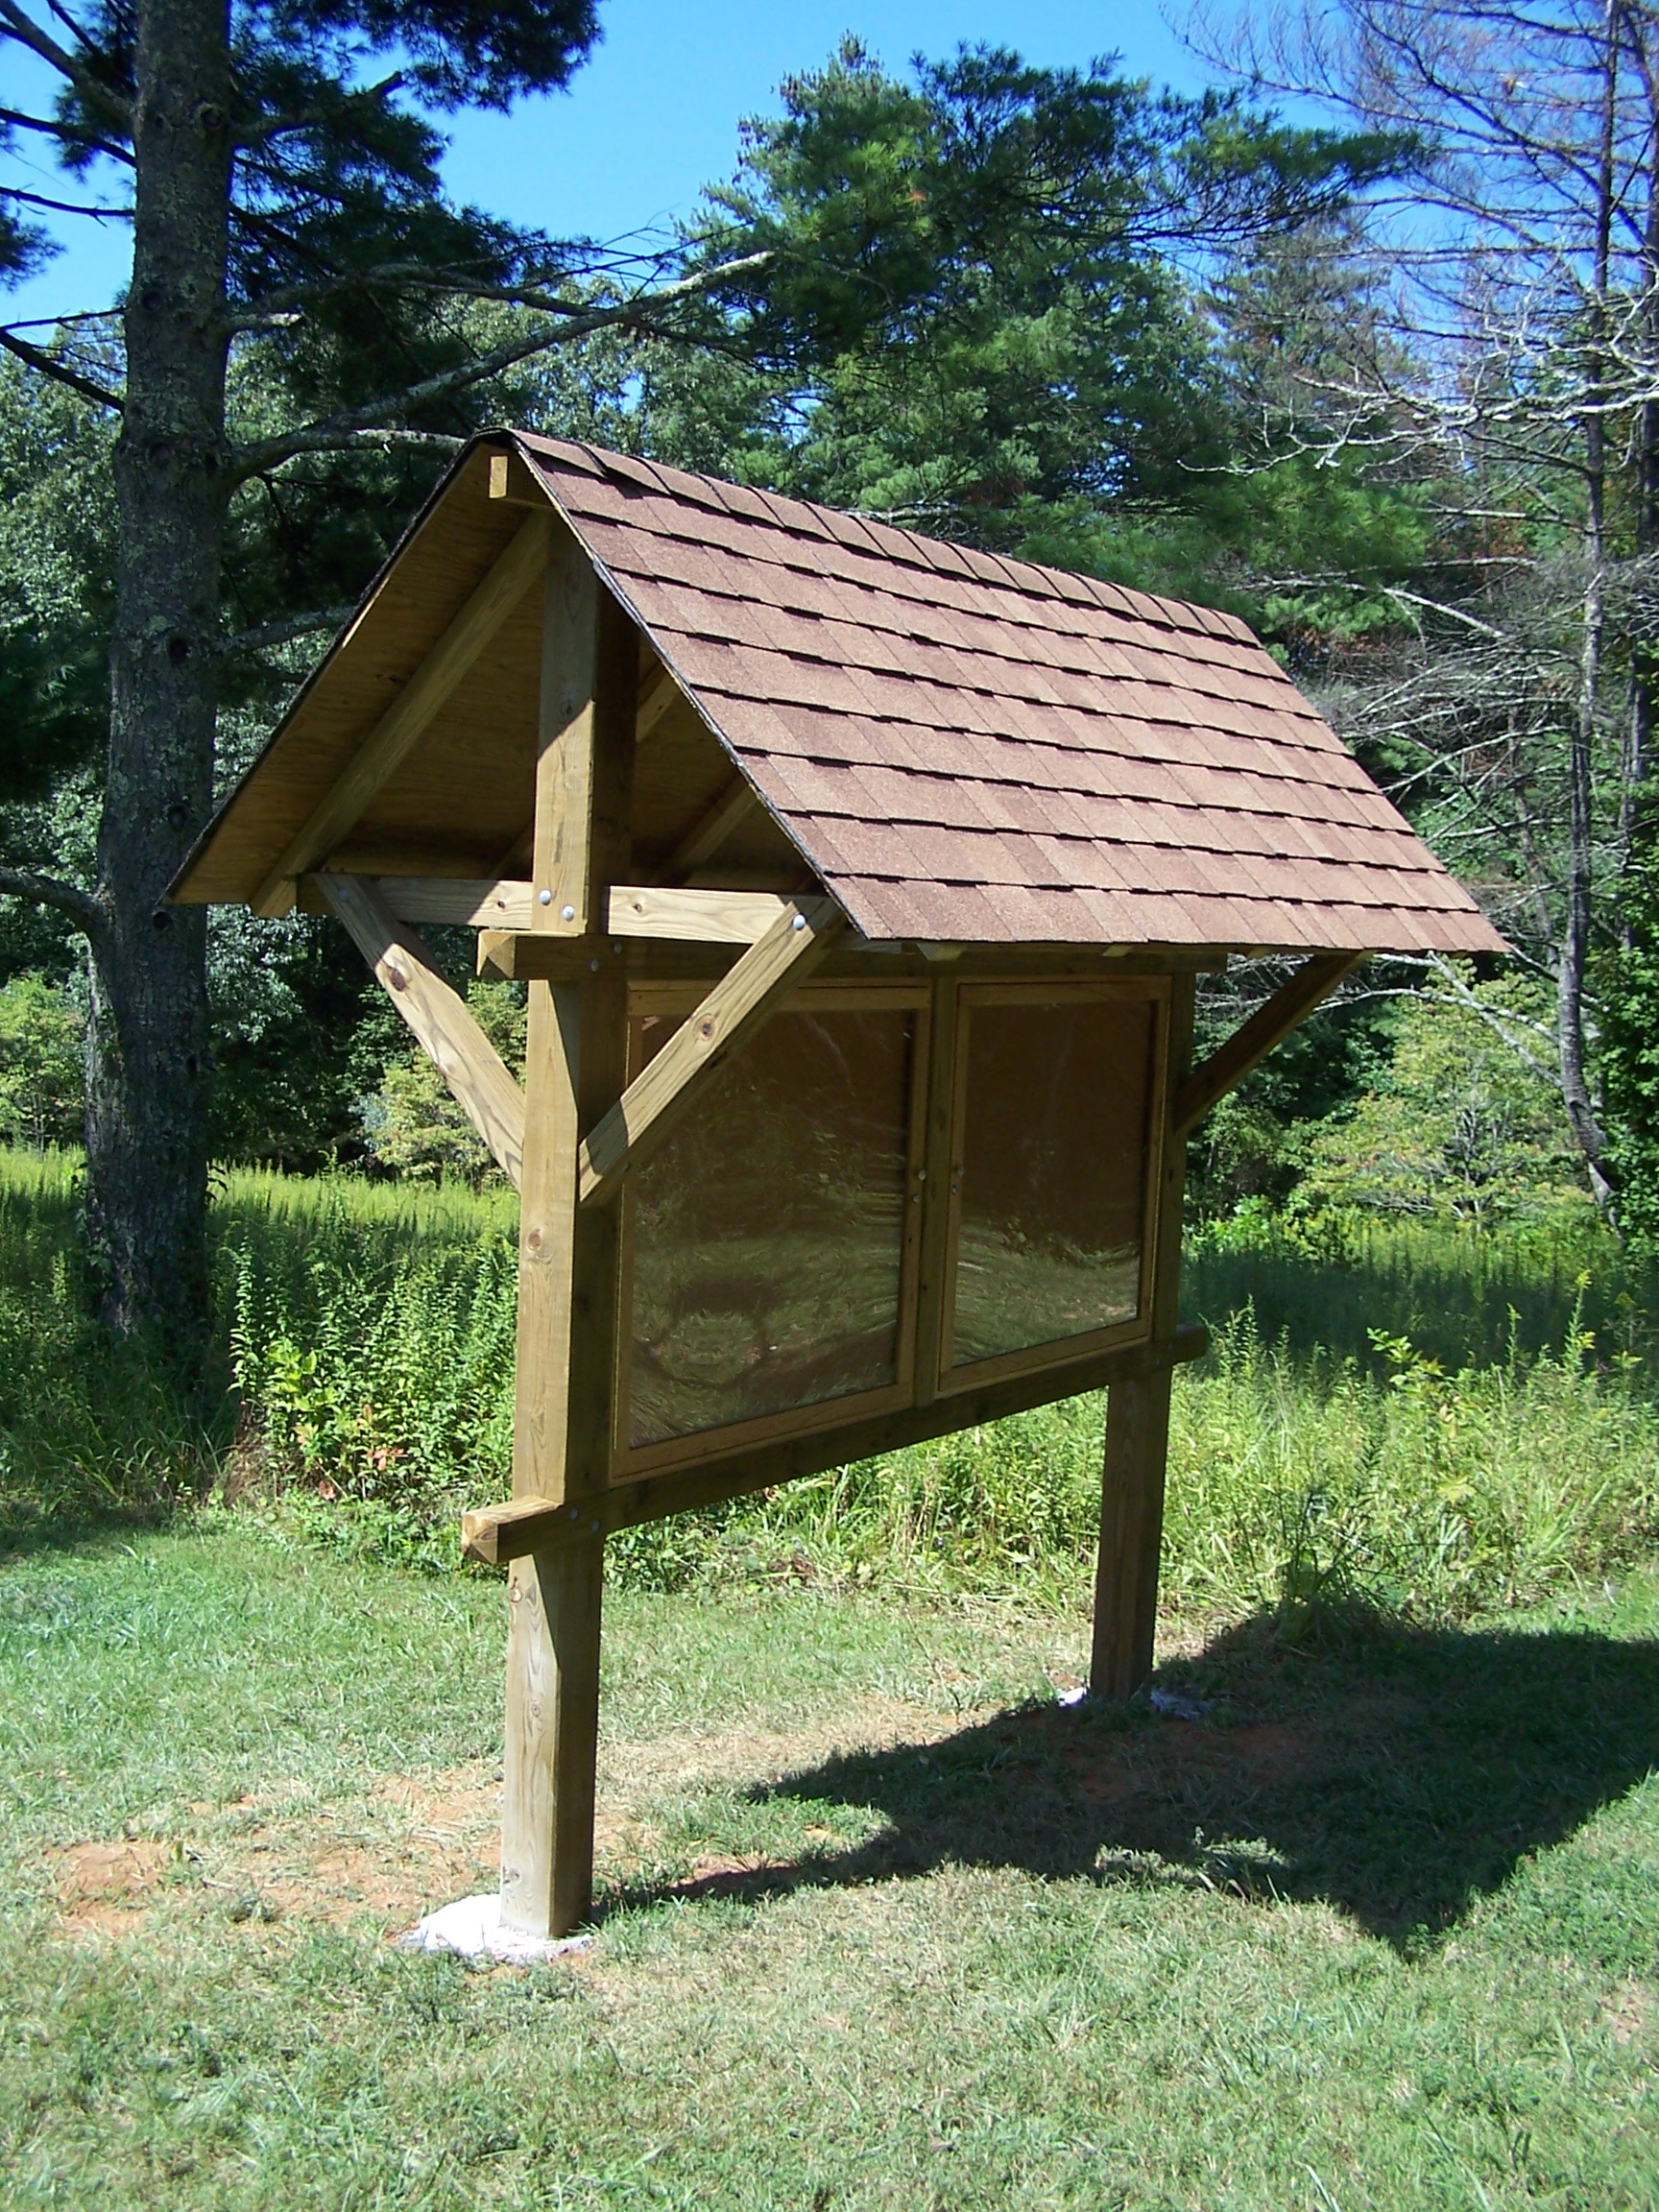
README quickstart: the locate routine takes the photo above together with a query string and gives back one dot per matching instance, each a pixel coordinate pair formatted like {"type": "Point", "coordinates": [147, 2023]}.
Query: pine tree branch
{"type": "Point", "coordinates": [329, 433]}
{"type": "Point", "coordinates": [97, 94]}
{"type": "Point", "coordinates": [270, 634]}
{"type": "Point", "coordinates": [83, 907]}
{"type": "Point", "coordinates": [48, 365]}
{"type": "Point", "coordinates": [64, 206]}
{"type": "Point", "coordinates": [68, 134]}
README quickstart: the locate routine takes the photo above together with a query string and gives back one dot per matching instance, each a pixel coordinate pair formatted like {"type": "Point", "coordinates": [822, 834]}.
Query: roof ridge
{"type": "Point", "coordinates": [1035, 579]}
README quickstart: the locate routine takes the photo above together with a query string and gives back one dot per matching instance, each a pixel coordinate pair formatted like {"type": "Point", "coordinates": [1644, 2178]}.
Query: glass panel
{"type": "Point", "coordinates": [769, 1231]}
{"type": "Point", "coordinates": [1054, 1173]}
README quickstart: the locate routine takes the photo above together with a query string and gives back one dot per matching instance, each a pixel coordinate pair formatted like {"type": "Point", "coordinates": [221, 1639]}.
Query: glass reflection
{"type": "Point", "coordinates": [768, 1233]}
{"type": "Point", "coordinates": [1053, 1182]}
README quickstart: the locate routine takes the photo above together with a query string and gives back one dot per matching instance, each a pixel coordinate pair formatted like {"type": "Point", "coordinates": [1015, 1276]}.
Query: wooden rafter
{"type": "Point", "coordinates": [1266, 1027]}
{"type": "Point", "coordinates": [661, 1097]}
{"type": "Point", "coordinates": [481, 1082]}
{"type": "Point", "coordinates": [700, 844]}
{"type": "Point", "coordinates": [394, 735]}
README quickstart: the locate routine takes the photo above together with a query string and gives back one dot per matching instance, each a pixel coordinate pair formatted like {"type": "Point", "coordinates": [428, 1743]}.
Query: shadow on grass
{"type": "Point", "coordinates": [1397, 1775]}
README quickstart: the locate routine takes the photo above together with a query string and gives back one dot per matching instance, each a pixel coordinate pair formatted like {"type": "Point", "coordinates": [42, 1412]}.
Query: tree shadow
{"type": "Point", "coordinates": [1398, 1774]}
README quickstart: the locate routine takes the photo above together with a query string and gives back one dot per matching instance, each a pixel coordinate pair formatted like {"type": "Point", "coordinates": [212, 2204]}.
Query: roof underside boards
{"type": "Point", "coordinates": [979, 750]}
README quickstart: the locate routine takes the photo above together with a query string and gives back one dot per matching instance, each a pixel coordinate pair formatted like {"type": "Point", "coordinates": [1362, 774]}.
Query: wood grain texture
{"type": "Point", "coordinates": [560, 868]}
{"type": "Point", "coordinates": [704, 838]}
{"type": "Point", "coordinates": [498, 1533]}
{"type": "Point", "coordinates": [1138, 1422]}
{"type": "Point", "coordinates": [564, 1375]}
{"type": "Point", "coordinates": [393, 737]}
{"type": "Point", "coordinates": [661, 1097]}
{"type": "Point", "coordinates": [705, 917]}
{"type": "Point", "coordinates": [479, 1080]}
{"type": "Point", "coordinates": [1255, 1039]}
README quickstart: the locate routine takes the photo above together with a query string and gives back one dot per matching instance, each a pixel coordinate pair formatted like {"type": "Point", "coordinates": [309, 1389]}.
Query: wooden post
{"type": "Point", "coordinates": [1138, 1424]}
{"type": "Point", "coordinates": [575, 1069]}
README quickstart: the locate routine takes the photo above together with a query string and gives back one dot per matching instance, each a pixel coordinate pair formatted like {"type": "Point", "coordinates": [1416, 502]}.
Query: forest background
{"type": "Point", "coordinates": [1386, 384]}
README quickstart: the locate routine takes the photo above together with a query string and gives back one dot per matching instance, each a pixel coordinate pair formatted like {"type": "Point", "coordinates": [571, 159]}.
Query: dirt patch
{"type": "Point", "coordinates": [1627, 2011]}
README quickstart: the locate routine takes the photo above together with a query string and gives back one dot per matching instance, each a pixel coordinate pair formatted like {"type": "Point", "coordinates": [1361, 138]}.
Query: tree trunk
{"type": "Point", "coordinates": [146, 1124]}
{"type": "Point", "coordinates": [1581, 744]}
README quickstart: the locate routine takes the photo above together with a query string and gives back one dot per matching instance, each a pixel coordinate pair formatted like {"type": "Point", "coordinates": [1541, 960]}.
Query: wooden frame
{"type": "Point", "coordinates": [631, 1462]}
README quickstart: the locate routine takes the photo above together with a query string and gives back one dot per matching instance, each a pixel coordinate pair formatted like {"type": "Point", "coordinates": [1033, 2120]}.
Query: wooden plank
{"type": "Point", "coordinates": [939, 1178]}
{"type": "Point", "coordinates": [662, 691]}
{"type": "Point", "coordinates": [475, 903]}
{"type": "Point", "coordinates": [496, 1533]}
{"type": "Point", "coordinates": [560, 868]}
{"type": "Point", "coordinates": [705, 917]}
{"type": "Point", "coordinates": [700, 843]}
{"type": "Point", "coordinates": [576, 1063]}
{"type": "Point", "coordinates": [1267, 1026]}
{"type": "Point", "coordinates": [394, 735]}
{"type": "Point", "coordinates": [480, 1081]}
{"type": "Point", "coordinates": [1137, 1419]}
{"type": "Point", "coordinates": [663, 1093]}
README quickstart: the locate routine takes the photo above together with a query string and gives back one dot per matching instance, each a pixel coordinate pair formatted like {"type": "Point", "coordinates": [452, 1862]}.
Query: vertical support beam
{"type": "Point", "coordinates": [562, 863]}
{"type": "Point", "coordinates": [1138, 1422]}
{"type": "Point", "coordinates": [575, 1069]}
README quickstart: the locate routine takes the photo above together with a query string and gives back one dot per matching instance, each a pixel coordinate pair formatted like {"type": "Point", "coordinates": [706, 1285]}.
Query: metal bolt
{"type": "Point", "coordinates": [799, 922]}
{"type": "Point", "coordinates": [567, 913]}
{"type": "Point", "coordinates": [544, 898]}
{"type": "Point", "coordinates": [594, 965]}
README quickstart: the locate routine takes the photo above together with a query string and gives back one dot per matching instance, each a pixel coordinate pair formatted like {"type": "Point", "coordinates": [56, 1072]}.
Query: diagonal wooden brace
{"type": "Point", "coordinates": [658, 1098]}
{"type": "Point", "coordinates": [482, 1083]}
{"type": "Point", "coordinates": [1267, 1026]}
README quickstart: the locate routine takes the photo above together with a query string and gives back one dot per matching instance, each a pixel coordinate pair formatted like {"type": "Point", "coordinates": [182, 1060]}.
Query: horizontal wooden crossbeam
{"type": "Point", "coordinates": [394, 735]}
{"type": "Point", "coordinates": [633, 909]}
{"type": "Point", "coordinates": [1256, 1038]}
{"type": "Point", "coordinates": [481, 1082]}
{"type": "Point", "coordinates": [661, 1097]}
{"type": "Point", "coordinates": [496, 1533]}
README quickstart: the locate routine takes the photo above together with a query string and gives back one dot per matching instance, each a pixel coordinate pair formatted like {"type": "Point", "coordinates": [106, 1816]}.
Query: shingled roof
{"type": "Point", "coordinates": [962, 748]}
{"type": "Point", "coordinates": [980, 750]}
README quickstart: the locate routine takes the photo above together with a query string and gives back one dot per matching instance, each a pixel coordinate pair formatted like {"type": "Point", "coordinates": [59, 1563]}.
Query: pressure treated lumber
{"type": "Point", "coordinates": [1255, 1039]}
{"type": "Point", "coordinates": [394, 735]}
{"type": "Point", "coordinates": [630, 910]}
{"type": "Point", "coordinates": [1136, 1445]}
{"type": "Point", "coordinates": [704, 838]}
{"type": "Point", "coordinates": [494, 1534]}
{"type": "Point", "coordinates": [561, 868]}
{"type": "Point", "coordinates": [480, 1081]}
{"type": "Point", "coordinates": [661, 1097]}
{"type": "Point", "coordinates": [575, 1064]}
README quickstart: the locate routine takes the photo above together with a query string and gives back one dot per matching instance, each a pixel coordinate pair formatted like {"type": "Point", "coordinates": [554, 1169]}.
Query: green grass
{"type": "Point", "coordinates": [883, 1925]}
{"type": "Point", "coordinates": [1432, 1462]}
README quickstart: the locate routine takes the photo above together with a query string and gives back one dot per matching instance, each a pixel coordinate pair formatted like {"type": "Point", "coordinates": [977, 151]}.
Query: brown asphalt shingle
{"type": "Point", "coordinates": [974, 749]}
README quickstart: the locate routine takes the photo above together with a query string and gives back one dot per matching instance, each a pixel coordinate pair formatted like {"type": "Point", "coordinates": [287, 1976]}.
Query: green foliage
{"type": "Point", "coordinates": [413, 1124]}
{"type": "Point", "coordinates": [1440, 1438]}
{"type": "Point", "coordinates": [41, 1071]}
{"type": "Point", "coordinates": [1631, 1044]}
{"type": "Point", "coordinates": [1461, 1126]}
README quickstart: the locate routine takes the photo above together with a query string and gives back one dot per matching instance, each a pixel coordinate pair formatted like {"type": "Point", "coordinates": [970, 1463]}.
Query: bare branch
{"type": "Point", "coordinates": [325, 435]}
{"type": "Point", "coordinates": [271, 634]}
{"type": "Point", "coordinates": [64, 206]}
{"type": "Point", "coordinates": [83, 908]}
{"type": "Point", "coordinates": [48, 365]}
{"type": "Point", "coordinates": [87, 82]}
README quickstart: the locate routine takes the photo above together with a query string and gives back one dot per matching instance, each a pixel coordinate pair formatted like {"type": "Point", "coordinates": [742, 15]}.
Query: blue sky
{"type": "Point", "coordinates": [653, 116]}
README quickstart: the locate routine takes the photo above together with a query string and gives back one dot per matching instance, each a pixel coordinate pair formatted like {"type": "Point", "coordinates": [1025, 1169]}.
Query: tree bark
{"type": "Point", "coordinates": [1581, 744]}
{"type": "Point", "coordinates": [147, 1056]}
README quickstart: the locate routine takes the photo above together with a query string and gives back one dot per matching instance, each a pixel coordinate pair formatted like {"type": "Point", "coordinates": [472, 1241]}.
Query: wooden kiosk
{"type": "Point", "coordinates": [860, 884]}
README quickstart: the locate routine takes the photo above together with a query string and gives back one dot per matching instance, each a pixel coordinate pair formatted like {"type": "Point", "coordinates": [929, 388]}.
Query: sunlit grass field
{"type": "Point", "coordinates": [1367, 1920]}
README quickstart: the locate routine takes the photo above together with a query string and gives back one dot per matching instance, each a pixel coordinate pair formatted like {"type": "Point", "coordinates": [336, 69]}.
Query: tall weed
{"type": "Point", "coordinates": [1434, 1423]}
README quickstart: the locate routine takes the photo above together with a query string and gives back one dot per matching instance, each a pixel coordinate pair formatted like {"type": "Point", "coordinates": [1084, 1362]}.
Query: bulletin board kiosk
{"type": "Point", "coordinates": [860, 882]}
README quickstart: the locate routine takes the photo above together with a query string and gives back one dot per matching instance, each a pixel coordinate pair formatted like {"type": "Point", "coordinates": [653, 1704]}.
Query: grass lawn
{"type": "Point", "coordinates": [884, 1923]}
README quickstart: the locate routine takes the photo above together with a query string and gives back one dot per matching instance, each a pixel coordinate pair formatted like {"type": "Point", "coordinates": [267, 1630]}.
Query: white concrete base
{"type": "Point", "coordinates": [471, 1928]}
